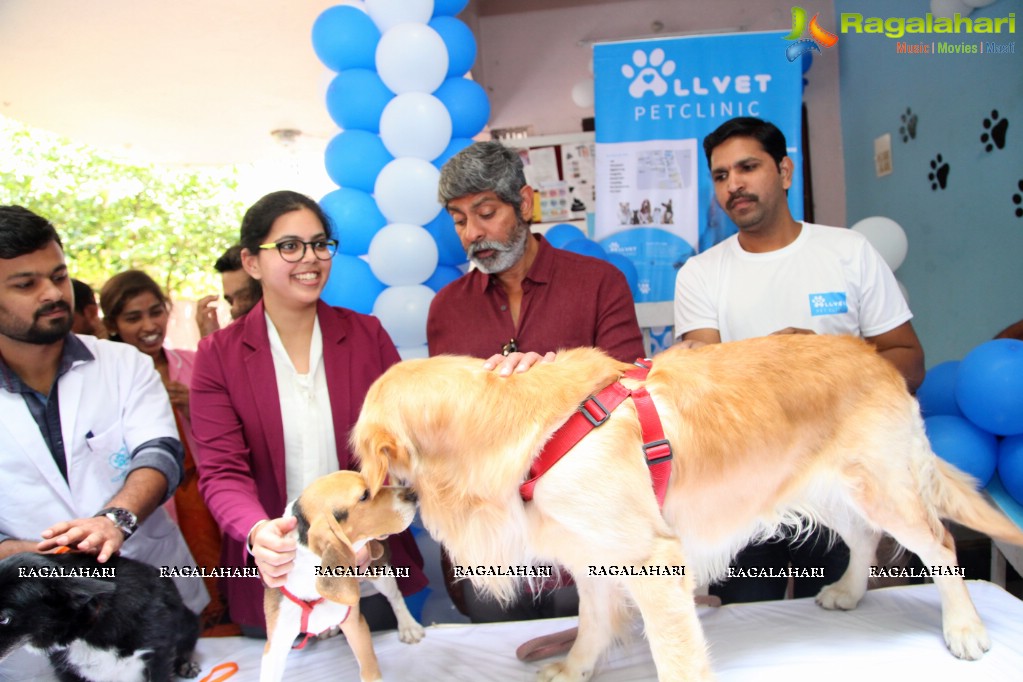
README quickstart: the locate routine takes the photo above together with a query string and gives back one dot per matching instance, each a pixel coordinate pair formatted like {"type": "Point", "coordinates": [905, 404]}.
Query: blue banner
{"type": "Point", "coordinates": [655, 101]}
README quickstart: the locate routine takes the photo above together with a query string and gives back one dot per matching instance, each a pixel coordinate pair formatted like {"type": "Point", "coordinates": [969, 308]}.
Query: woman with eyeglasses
{"type": "Point", "coordinates": [274, 396]}
{"type": "Point", "coordinates": [136, 312]}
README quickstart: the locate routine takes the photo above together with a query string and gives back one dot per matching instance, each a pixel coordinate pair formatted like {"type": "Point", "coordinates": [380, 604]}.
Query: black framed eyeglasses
{"type": "Point", "coordinates": [293, 250]}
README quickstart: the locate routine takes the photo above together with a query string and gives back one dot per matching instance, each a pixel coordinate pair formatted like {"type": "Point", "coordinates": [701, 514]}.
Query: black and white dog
{"type": "Point", "coordinates": [125, 623]}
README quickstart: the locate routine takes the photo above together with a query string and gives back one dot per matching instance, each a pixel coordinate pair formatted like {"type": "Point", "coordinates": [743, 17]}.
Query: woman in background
{"type": "Point", "coordinates": [274, 396]}
{"type": "Point", "coordinates": [136, 311]}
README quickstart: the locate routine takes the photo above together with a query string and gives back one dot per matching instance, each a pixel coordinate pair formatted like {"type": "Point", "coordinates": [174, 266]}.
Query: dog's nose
{"type": "Point", "coordinates": [409, 495]}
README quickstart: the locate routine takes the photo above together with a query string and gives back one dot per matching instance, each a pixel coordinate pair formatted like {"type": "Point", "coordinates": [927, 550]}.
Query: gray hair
{"type": "Point", "coordinates": [483, 167]}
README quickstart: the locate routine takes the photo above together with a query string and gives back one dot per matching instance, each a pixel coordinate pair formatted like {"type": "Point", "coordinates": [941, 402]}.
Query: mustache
{"type": "Point", "coordinates": [492, 245]}
{"type": "Point", "coordinates": [53, 307]}
{"type": "Point", "coordinates": [741, 195]}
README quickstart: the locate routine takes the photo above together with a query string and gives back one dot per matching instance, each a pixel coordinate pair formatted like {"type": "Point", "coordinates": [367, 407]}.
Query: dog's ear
{"type": "Point", "coordinates": [382, 450]}
{"type": "Point", "coordinates": [337, 563]}
{"type": "Point", "coordinates": [77, 592]}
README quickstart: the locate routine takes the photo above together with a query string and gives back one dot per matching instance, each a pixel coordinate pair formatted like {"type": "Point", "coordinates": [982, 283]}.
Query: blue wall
{"type": "Point", "coordinates": [964, 270]}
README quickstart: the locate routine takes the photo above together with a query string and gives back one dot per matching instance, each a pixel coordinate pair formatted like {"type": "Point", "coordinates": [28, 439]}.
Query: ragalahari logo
{"type": "Point", "coordinates": [818, 36]}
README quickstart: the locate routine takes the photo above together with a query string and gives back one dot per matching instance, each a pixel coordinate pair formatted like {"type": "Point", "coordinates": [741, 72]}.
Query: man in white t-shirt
{"type": "Point", "coordinates": [780, 276]}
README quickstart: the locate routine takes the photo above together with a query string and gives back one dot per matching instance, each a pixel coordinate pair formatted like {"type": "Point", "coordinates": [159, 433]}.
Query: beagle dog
{"type": "Point", "coordinates": [337, 517]}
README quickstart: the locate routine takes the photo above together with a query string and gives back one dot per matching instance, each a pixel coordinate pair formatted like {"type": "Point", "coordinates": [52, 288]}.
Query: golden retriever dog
{"type": "Point", "coordinates": [782, 430]}
{"type": "Point", "coordinates": [337, 516]}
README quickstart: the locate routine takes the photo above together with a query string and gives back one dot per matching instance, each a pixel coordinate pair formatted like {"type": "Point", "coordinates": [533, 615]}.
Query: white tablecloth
{"type": "Point", "coordinates": [894, 634]}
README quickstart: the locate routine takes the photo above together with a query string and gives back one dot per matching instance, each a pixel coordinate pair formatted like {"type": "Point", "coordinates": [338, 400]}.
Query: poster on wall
{"type": "Point", "coordinates": [655, 101]}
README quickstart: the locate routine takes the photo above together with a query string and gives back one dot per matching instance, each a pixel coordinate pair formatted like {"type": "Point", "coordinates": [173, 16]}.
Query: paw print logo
{"type": "Point", "coordinates": [644, 287]}
{"type": "Point", "coordinates": [908, 127]}
{"type": "Point", "coordinates": [818, 301]}
{"type": "Point", "coordinates": [648, 73]}
{"type": "Point", "coordinates": [1017, 199]}
{"type": "Point", "coordinates": [995, 128]}
{"type": "Point", "coordinates": [939, 173]}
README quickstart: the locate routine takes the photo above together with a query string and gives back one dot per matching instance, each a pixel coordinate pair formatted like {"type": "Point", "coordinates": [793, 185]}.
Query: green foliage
{"type": "Point", "coordinates": [114, 215]}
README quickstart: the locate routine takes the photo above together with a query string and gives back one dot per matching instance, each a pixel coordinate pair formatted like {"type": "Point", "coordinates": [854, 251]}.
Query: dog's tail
{"type": "Point", "coordinates": [958, 500]}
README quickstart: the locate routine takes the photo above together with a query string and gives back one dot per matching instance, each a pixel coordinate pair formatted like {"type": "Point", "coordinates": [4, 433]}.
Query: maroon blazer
{"type": "Point", "coordinates": [239, 434]}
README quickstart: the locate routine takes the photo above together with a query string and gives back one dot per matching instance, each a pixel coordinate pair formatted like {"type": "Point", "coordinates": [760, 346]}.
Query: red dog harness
{"type": "Point", "coordinates": [307, 610]}
{"type": "Point", "coordinates": [593, 412]}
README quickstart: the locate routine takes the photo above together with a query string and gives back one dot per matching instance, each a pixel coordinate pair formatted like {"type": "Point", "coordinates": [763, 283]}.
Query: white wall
{"type": "Point", "coordinates": [531, 53]}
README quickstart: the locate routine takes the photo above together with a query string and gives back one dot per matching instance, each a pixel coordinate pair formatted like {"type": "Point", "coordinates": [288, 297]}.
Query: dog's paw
{"type": "Point", "coordinates": [560, 672]}
{"type": "Point", "coordinates": [188, 669]}
{"type": "Point", "coordinates": [411, 632]}
{"type": "Point", "coordinates": [836, 598]}
{"type": "Point", "coordinates": [968, 641]}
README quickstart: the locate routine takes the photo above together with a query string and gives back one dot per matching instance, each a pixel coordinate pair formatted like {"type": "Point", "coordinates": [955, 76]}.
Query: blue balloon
{"type": "Point", "coordinates": [352, 284]}
{"type": "Point", "coordinates": [345, 38]}
{"type": "Point", "coordinates": [628, 269]}
{"type": "Point", "coordinates": [456, 145]}
{"type": "Point", "coordinates": [355, 217]}
{"type": "Point", "coordinates": [467, 103]}
{"type": "Point", "coordinates": [354, 158]}
{"type": "Point", "coordinates": [563, 233]}
{"type": "Point", "coordinates": [356, 98]}
{"type": "Point", "coordinates": [964, 445]}
{"type": "Point", "coordinates": [449, 247]}
{"type": "Point", "coordinates": [459, 41]}
{"type": "Point", "coordinates": [586, 247]}
{"type": "Point", "coordinates": [937, 393]}
{"type": "Point", "coordinates": [443, 276]}
{"type": "Point", "coordinates": [989, 386]}
{"type": "Point", "coordinates": [448, 8]}
{"type": "Point", "coordinates": [1010, 466]}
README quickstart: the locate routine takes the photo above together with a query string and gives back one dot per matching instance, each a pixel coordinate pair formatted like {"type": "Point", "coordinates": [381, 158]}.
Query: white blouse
{"type": "Point", "coordinates": [310, 450]}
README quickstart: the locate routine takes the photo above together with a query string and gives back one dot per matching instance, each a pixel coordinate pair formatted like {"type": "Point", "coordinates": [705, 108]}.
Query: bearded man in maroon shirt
{"type": "Point", "coordinates": [522, 295]}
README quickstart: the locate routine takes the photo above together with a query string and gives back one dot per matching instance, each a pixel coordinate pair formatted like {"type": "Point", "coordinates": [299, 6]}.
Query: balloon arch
{"type": "Point", "coordinates": [405, 105]}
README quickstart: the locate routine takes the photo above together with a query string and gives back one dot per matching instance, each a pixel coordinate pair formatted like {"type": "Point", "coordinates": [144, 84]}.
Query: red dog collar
{"type": "Point", "coordinates": [592, 413]}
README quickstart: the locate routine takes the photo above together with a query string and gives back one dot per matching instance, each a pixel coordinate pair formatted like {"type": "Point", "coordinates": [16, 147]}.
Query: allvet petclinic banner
{"type": "Point", "coordinates": [655, 101]}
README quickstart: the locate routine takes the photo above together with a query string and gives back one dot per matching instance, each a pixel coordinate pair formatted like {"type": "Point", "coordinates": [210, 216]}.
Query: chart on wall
{"type": "Point", "coordinates": [655, 101]}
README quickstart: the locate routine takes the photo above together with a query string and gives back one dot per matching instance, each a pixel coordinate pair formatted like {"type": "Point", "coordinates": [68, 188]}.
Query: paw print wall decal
{"type": "Point", "coordinates": [995, 128]}
{"type": "Point", "coordinates": [908, 127]}
{"type": "Point", "coordinates": [1017, 199]}
{"type": "Point", "coordinates": [939, 173]}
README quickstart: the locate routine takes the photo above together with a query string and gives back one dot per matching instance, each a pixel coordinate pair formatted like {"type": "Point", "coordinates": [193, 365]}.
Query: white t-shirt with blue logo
{"type": "Point", "coordinates": [830, 280]}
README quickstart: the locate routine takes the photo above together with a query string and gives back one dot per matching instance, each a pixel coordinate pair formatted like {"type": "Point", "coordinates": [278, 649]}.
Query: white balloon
{"type": "Point", "coordinates": [415, 124]}
{"type": "Point", "coordinates": [887, 236]}
{"type": "Point", "coordinates": [402, 311]}
{"type": "Point", "coordinates": [582, 93]}
{"type": "Point", "coordinates": [977, 3]}
{"type": "Point", "coordinates": [388, 13]}
{"type": "Point", "coordinates": [402, 254]}
{"type": "Point", "coordinates": [411, 58]}
{"type": "Point", "coordinates": [414, 352]}
{"type": "Point", "coordinates": [406, 191]}
{"type": "Point", "coordinates": [949, 8]}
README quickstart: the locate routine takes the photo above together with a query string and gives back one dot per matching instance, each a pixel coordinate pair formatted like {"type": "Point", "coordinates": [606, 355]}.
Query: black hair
{"type": "Point", "coordinates": [261, 216]}
{"type": "Point", "coordinates": [84, 295]}
{"type": "Point", "coordinates": [230, 261]}
{"type": "Point", "coordinates": [23, 232]}
{"type": "Point", "coordinates": [766, 133]}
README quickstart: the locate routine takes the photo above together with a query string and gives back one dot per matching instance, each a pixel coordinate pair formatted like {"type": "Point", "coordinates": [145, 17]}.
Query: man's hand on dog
{"type": "Point", "coordinates": [516, 362]}
{"type": "Point", "coordinates": [95, 535]}
{"type": "Point", "coordinates": [274, 550]}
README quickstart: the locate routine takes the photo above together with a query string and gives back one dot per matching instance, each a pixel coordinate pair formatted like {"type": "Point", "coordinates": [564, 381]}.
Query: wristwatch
{"type": "Point", "coordinates": [125, 520]}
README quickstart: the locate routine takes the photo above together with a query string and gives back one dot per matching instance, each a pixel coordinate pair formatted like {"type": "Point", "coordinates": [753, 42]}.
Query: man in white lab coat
{"type": "Point", "coordinates": [88, 445]}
